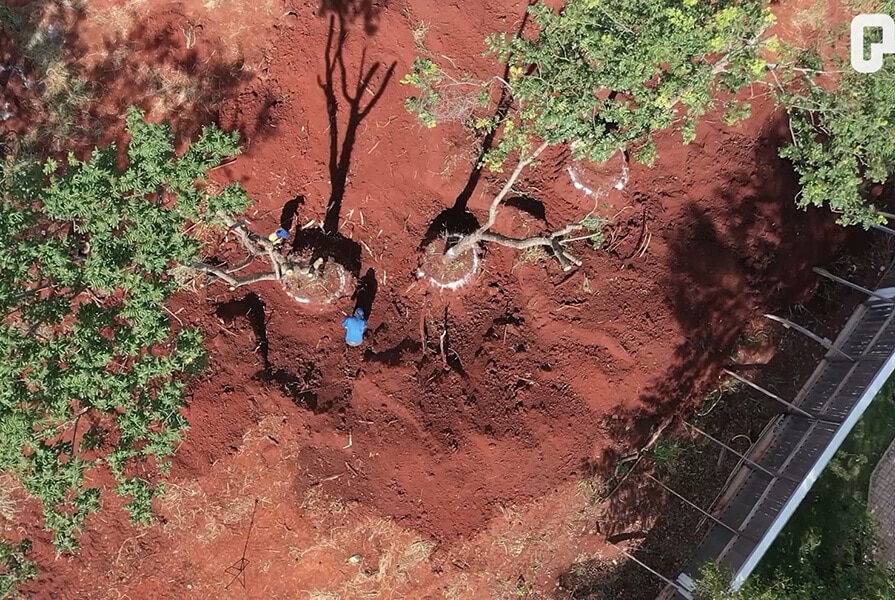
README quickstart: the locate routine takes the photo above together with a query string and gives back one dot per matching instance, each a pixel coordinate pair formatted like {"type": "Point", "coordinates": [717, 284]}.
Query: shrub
{"type": "Point", "coordinates": [841, 123]}
{"type": "Point", "coordinates": [86, 346]}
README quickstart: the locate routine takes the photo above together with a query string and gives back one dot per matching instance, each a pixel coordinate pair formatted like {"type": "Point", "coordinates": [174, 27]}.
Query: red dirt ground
{"type": "Point", "coordinates": [378, 472]}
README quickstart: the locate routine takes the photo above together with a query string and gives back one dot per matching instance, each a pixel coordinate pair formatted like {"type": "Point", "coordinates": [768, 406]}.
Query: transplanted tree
{"type": "Point", "coordinates": [842, 124]}
{"type": "Point", "coordinates": [306, 276]}
{"type": "Point", "coordinates": [92, 373]}
{"type": "Point", "coordinates": [604, 77]}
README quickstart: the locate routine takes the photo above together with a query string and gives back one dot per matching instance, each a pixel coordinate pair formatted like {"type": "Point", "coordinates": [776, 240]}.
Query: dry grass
{"type": "Point", "coordinates": [187, 278]}
{"type": "Point", "coordinates": [457, 589]}
{"type": "Point", "coordinates": [129, 552]}
{"type": "Point", "coordinates": [532, 255]}
{"type": "Point", "coordinates": [512, 546]}
{"type": "Point", "coordinates": [120, 19]}
{"type": "Point", "coordinates": [727, 386]}
{"type": "Point", "coordinates": [224, 515]}
{"type": "Point", "coordinates": [593, 489]}
{"type": "Point", "coordinates": [187, 508]}
{"type": "Point", "coordinates": [235, 31]}
{"type": "Point", "coordinates": [318, 504]}
{"type": "Point", "coordinates": [863, 6]}
{"type": "Point", "coordinates": [509, 589]}
{"type": "Point", "coordinates": [8, 506]}
{"type": "Point", "coordinates": [419, 32]}
{"type": "Point", "coordinates": [181, 505]}
{"type": "Point", "coordinates": [172, 89]}
{"type": "Point", "coordinates": [62, 95]}
{"type": "Point", "coordinates": [418, 551]}
{"type": "Point", "coordinates": [451, 162]}
{"type": "Point", "coordinates": [381, 554]}
{"type": "Point", "coordinates": [323, 595]}
{"type": "Point", "coordinates": [512, 541]}
{"type": "Point", "coordinates": [811, 17]}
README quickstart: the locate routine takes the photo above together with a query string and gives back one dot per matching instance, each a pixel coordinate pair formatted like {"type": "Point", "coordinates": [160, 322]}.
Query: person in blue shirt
{"type": "Point", "coordinates": [354, 328]}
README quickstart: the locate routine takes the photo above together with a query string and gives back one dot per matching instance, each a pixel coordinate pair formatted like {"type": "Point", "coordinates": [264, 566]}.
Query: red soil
{"type": "Point", "coordinates": [552, 376]}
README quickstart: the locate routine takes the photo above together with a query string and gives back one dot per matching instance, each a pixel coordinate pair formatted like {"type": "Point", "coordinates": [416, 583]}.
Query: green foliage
{"type": "Point", "coordinates": [714, 584]}
{"type": "Point", "coordinates": [594, 227]}
{"type": "Point", "coordinates": [86, 347]}
{"type": "Point", "coordinates": [607, 76]}
{"type": "Point", "coordinates": [427, 76]}
{"type": "Point", "coordinates": [826, 550]}
{"type": "Point", "coordinates": [843, 140]}
{"type": "Point", "coordinates": [14, 567]}
{"type": "Point", "coordinates": [444, 99]}
{"type": "Point", "coordinates": [666, 451]}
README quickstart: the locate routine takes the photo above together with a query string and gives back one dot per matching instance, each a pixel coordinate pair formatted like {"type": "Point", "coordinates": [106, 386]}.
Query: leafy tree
{"type": "Point", "coordinates": [842, 123]}
{"type": "Point", "coordinates": [605, 77]}
{"type": "Point", "coordinates": [91, 372]}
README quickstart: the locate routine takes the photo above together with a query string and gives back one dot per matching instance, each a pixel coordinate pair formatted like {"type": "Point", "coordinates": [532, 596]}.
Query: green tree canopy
{"type": "Point", "coordinates": [842, 125]}
{"type": "Point", "coordinates": [602, 76]}
{"type": "Point", "coordinates": [607, 76]}
{"type": "Point", "coordinates": [91, 372]}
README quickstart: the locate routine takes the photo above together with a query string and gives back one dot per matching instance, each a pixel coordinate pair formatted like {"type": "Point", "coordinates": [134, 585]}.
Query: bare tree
{"type": "Point", "coordinates": [557, 241]}
{"type": "Point", "coordinates": [303, 280]}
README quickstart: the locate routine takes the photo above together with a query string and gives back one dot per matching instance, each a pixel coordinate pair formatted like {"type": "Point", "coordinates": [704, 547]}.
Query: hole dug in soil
{"type": "Point", "coordinates": [448, 274]}
{"type": "Point", "coordinates": [321, 286]}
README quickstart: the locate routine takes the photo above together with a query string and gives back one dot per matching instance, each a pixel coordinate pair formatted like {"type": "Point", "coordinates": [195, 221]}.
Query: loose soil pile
{"type": "Point", "coordinates": [455, 454]}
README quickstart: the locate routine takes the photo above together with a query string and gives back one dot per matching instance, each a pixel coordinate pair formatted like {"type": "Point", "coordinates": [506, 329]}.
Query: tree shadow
{"type": "Point", "coordinates": [327, 242]}
{"type": "Point", "coordinates": [289, 212]}
{"type": "Point", "coordinates": [528, 205]}
{"type": "Point", "coordinates": [250, 306]}
{"type": "Point", "coordinates": [172, 72]}
{"type": "Point", "coordinates": [366, 11]}
{"type": "Point", "coordinates": [299, 386]}
{"type": "Point", "coordinates": [750, 253]}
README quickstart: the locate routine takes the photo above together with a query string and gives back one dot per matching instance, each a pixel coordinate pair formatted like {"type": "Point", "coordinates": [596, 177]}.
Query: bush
{"type": "Point", "coordinates": [842, 136]}
{"type": "Point", "coordinates": [14, 567]}
{"type": "Point", "coordinates": [86, 346]}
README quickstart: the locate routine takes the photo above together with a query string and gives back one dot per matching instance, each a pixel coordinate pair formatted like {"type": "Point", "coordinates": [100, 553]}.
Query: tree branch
{"type": "Point", "coordinates": [555, 241]}
{"type": "Point", "coordinates": [233, 281]}
{"type": "Point", "coordinates": [475, 237]}
{"type": "Point", "coordinates": [254, 245]}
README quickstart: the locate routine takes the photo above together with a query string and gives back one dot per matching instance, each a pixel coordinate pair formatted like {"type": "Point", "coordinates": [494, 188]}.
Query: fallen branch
{"type": "Point", "coordinates": [638, 456]}
{"type": "Point", "coordinates": [255, 246]}
{"type": "Point", "coordinates": [233, 281]}
{"type": "Point", "coordinates": [556, 241]}
{"type": "Point", "coordinates": [423, 330]}
{"type": "Point", "coordinates": [442, 339]}
{"type": "Point", "coordinates": [443, 353]}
